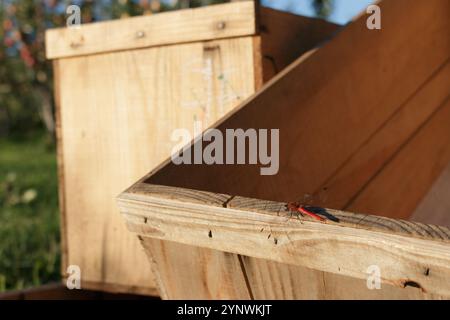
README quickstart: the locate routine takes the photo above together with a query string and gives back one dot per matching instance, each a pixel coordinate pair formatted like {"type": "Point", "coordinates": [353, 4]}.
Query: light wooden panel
{"type": "Point", "coordinates": [187, 272]}
{"type": "Point", "coordinates": [328, 105]}
{"type": "Point", "coordinates": [189, 25]}
{"type": "Point", "coordinates": [273, 280]}
{"type": "Point", "coordinates": [116, 115]}
{"type": "Point", "coordinates": [407, 253]}
{"type": "Point", "coordinates": [217, 275]}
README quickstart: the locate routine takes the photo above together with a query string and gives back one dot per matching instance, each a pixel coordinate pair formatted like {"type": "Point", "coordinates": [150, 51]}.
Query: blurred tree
{"type": "Point", "coordinates": [323, 8]}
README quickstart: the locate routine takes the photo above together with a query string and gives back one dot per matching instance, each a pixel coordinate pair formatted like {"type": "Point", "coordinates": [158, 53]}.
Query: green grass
{"type": "Point", "coordinates": [29, 220]}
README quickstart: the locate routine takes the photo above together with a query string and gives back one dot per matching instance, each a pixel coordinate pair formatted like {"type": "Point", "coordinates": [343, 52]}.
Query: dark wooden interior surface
{"type": "Point", "coordinates": [286, 36]}
{"type": "Point", "coordinates": [57, 291]}
{"type": "Point", "coordinates": [357, 119]}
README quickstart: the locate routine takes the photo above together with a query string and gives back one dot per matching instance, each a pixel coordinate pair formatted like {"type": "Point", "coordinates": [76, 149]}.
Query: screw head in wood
{"type": "Point", "coordinates": [140, 34]}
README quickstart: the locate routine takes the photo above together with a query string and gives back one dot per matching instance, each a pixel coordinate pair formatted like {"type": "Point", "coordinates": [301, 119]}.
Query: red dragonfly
{"type": "Point", "coordinates": [296, 206]}
{"type": "Point", "coordinates": [302, 209]}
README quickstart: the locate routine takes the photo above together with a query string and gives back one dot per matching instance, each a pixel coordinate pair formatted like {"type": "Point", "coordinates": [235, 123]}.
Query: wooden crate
{"type": "Point", "coordinates": [121, 89]}
{"type": "Point", "coordinates": [363, 120]}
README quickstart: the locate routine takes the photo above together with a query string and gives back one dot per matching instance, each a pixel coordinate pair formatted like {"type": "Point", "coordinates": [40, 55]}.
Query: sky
{"type": "Point", "coordinates": [343, 10]}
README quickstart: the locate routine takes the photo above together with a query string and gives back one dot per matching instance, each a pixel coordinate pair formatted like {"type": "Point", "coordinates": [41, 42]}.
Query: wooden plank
{"type": "Point", "coordinates": [189, 25]}
{"type": "Point", "coordinates": [286, 36]}
{"type": "Point", "coordinates": [347, 244]}
{"type": "Point", "coordinates": [187, 272]}
{"type": "Point", "coordinates": [114, 132]}
{"type": "Point", "coordinates": [398, 189]}
{"type": "Point", "coordinates": [375, 154]}
{"type": "Point", "coordinates": [359, 81]}
{"type": "Point", "coordinates": [277, 281]}
{"type": "Point", "coordinates": [262, 279]}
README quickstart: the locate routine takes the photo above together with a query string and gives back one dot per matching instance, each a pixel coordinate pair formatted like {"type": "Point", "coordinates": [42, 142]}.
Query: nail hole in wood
{"type": "Point", "coordinates": [410, 283]}
{"type": "Point", "coordinates": [427, 272]}
{"type": "Point", "coordinates": [210, 234]}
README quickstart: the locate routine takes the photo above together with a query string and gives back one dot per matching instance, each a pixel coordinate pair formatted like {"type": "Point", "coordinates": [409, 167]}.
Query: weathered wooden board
{"type": "Point", "coordinates": [117, 112]}
{"type": "Point", "coordinates": [407, 253]}
{"type": "Point", "coordinates": [190, 25]}
{"type": "Point", "coordinates": [221, 274]}
{"type": "Point", "coordinates": [256, 278]}
{"type": "Point", "coordinates": [273, 280]}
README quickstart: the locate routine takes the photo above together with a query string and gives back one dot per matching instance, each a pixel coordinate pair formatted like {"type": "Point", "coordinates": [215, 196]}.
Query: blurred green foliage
{"type": "Point", "coordinates": [29, 224]}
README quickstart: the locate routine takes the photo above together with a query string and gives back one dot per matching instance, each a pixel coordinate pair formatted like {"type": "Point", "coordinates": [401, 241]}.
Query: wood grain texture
{"type": "Point", "coordinates": [188, 272]}
{"type": "Point", "coordinates": [273, 280]}
{"type": "Point", "coordinates": [381, 147]}
{"type": "Point", "coordinates": [257, 278]}
{"type": "Point", "coordinates": [359, 80]}
{"type": "Point", "coordinates": [117, 112]}
{"type": "Point", "coordinates": [398, 189]}
{"type": "Point", "coordinates": [189, 25]}
{"type": "Point", "coordinates": [347, 244]}
{"type": "Point", "coordinates": [286, 36]}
